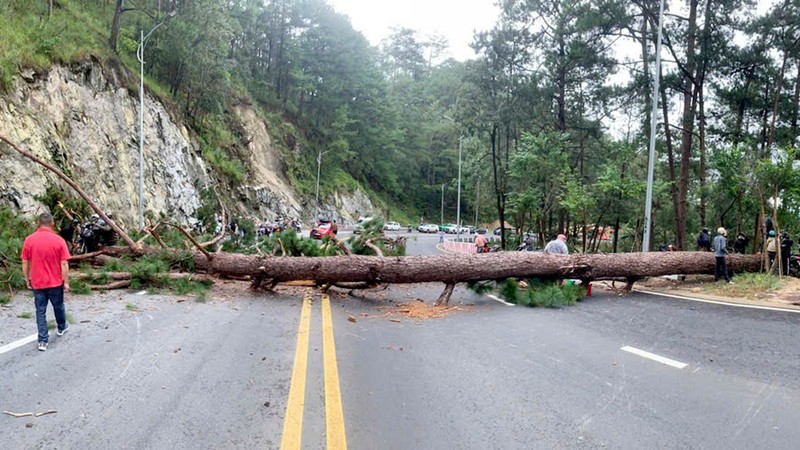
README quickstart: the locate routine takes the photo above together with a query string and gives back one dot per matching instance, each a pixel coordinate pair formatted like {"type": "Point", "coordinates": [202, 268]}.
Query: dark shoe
{"type": "Point", "coordinates": [42, 346]}
{"type": "Point", "coordinates": [61, 332]}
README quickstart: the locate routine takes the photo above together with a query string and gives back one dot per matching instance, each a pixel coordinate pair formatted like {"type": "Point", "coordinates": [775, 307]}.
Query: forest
{"type": "Point", "coordinates": [552, 113]}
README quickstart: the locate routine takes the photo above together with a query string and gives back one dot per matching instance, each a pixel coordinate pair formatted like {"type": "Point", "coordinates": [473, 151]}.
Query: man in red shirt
{"type": "Point", "coordinates": [46, 270]}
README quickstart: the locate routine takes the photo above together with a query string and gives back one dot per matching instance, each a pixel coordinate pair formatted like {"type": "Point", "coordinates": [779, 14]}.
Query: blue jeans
{"type": "Point", "coordinates": [56, 297]}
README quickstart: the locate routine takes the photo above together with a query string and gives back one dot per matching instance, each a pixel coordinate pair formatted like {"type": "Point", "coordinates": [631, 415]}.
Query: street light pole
{"type": "Point", "coordinates": [140, 57]}
{"type": "Point", "coordinates": [477, 197]}
{"type": "Point", "coordinates": [441, 218]}
{"type": "Point", "coordinates": [648, 208]}
{"type": "Point", "coordinates": [458, 201]}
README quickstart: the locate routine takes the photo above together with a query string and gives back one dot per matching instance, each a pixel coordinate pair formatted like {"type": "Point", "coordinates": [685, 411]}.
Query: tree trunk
{"type": "Point", "coordinates": [115, 25]}
{"type": "Point", "coordinates": [702, 124]}
{"type": "Point", "coordinates": [459, 268]}
{"type": "Point", "coordinates": [771, 138]}
{"type": "Point", "coordinates": [796, 101]}
{"type": "Point", "coordinates": [77, 189]}
{"type": "Point", "coordinates": [687, 122]}
{"type": "Point", "coordinates": [673, 181]}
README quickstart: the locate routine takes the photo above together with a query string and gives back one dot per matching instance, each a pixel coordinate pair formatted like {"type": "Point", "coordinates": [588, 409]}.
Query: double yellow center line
{"type": "Point", "coordinates": [334, 416]}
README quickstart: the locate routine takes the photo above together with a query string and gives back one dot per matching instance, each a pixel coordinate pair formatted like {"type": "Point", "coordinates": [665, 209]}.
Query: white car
{"type": "Point", "coordinates": [360, 224]}
{"type": "Point", "coordinates": [391, 226]}
{"type": "Point", "coordinates": [428, 228]}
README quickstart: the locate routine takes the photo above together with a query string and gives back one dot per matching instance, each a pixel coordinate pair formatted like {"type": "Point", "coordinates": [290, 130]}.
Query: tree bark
{"type": "Point", "coordinates": [459, 268]}
{"type": "Point", "coordinates": [115, 25]}
{"type": "Point", "coordinates": [687, 122]}
{"type": "Point", "coordinates": [135, 246]}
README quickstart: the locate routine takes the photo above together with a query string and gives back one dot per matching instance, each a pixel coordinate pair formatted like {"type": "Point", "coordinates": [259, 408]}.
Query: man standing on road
{"type": "Point", "coordinates": [46, 271]}
{"type": "Point", "coordinates": [720, 248]}
{"type": "Point", "coordinates": [557, 245]}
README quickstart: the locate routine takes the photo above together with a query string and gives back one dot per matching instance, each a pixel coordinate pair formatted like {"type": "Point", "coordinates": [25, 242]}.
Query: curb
{"type": "Point", "coordinates": [718, 302]}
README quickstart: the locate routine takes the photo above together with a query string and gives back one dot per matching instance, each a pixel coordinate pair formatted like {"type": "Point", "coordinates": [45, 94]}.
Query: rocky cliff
{"type": "Point", "coordinates": [84, 119]}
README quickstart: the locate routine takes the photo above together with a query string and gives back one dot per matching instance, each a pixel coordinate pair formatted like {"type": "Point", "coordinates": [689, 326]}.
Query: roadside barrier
{"type": "Point", "coordinates": [460, 246]}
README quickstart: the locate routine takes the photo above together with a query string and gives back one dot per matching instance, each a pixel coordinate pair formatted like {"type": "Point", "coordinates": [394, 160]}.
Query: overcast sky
{"type": "Point", "coordinates": [457, 20]}
{"type": "Point", "coordinates": [454, 19]}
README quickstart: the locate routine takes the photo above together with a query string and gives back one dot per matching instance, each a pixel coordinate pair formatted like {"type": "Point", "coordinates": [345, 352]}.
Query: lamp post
{"type": "Point", "coordinates": [140, 57]}
{"type": "Point", "coordinates": [477, 197]}
{"type": "Point", "coordinates": [648, 207]}
{"type": "Point", "coordinates": [319, 171]}
{"type": "Point", "coordinates": [458, 201]}
{"type": "Point", "coordinates": [441, 218]}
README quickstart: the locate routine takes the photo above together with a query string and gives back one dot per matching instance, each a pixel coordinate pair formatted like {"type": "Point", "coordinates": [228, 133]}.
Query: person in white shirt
{"type": "Point", "coordinates": [557, 245]}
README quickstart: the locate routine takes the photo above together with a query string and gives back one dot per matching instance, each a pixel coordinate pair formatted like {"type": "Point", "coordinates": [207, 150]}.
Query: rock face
{"type": "Point", "coordinates": [85, 121]}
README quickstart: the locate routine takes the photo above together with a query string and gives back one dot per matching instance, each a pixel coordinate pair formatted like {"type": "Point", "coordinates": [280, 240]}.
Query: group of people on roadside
{"type": "Point", "coordinates": [266, 228]}
{"type": "Point", "coordinates": [785, 245]}
{"type": "Point", "coordinates": [93, 234]}
{"type": "Point", "coordinates": [771, 245]}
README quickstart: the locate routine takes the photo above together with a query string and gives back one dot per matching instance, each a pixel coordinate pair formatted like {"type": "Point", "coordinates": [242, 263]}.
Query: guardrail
{"type": "Point", "coordinates": [461, 245]}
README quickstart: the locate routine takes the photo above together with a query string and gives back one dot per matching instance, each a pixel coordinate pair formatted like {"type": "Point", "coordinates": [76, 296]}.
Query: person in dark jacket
{"type": "Point", "coordinates": [740, 244]}
{"type": "Point", "coordinates": [67, 232]}
{"type": "Point", "coordinates": [786, 251]}
{"type": "Point", "coordinates": [720, 247]}
{"type": "Point", "coordinates": [704, 241]}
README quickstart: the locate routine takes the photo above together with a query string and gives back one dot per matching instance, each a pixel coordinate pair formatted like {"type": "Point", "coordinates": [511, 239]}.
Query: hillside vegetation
{"type": "Point", "coordinates": [317, 82]}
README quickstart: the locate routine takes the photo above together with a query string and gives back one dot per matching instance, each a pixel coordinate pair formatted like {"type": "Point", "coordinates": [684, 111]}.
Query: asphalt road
{"type": "Point", "coordinates": [199, 375]}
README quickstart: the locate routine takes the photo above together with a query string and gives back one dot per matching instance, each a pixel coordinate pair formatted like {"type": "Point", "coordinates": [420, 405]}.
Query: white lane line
{"type": "Point", "coordinates": [717, 302]}
{"type": "Point", "coordinates": [19, 343]}
{"type": "Point", "coordinates": [496, 298]}
{"type": "Point", "coordinates": [654, 357]}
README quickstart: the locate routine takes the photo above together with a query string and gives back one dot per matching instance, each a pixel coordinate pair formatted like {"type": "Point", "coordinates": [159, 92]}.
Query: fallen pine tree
{"type": "Point", "coordinates": [370, 271]}
{"type": "Point", "coordinates": [358, 271]}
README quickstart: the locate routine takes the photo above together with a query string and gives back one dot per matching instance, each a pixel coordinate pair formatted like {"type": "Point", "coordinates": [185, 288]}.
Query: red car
{"type": "Point", "coordinates": [323, 228]}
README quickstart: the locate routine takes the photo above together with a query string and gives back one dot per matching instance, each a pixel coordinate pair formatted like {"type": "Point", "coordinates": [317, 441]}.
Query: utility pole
{"type": "Point", "coordinates": [441, 218]}
{"type": "Point", "coordinates": [458, 202]}
{"type": "Point", "coordinates": [140, 57]}
{"type": "Point", "coordinates": [648, 207]}
{"type": "Point", "coordinates": [477, 196]}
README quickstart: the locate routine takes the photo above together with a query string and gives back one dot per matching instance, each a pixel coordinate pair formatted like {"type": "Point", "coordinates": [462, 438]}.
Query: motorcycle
{"type": "Point", "coordinates": [86, 239]}
{"type": "Point", "coordinates": [794, 265]}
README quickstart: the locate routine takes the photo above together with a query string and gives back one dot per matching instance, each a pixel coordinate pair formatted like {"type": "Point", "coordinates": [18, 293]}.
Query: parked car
{"type": "Point", "coordinates": [481, 230]}
{"type": "Point", "coordinates": [508, 230]}
{"type": "Point", "coordinates": [322, 229]}
{"type": "Point", "coordinates": [428, 228]}
{"type": "Point", "coordinates": [391, 226]}
{"type": "Point", "coordinates": [451, 228]}
{"type": "Point", "coordinates": [360, 224]}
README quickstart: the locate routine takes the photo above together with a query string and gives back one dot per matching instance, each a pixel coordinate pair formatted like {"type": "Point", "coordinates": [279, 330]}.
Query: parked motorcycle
{"type": "Point", "coordinates": [794, 265]}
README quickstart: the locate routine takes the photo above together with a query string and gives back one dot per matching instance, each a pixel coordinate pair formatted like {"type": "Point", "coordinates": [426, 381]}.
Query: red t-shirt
{"type": "Point", "coordinates": [45, 250]}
